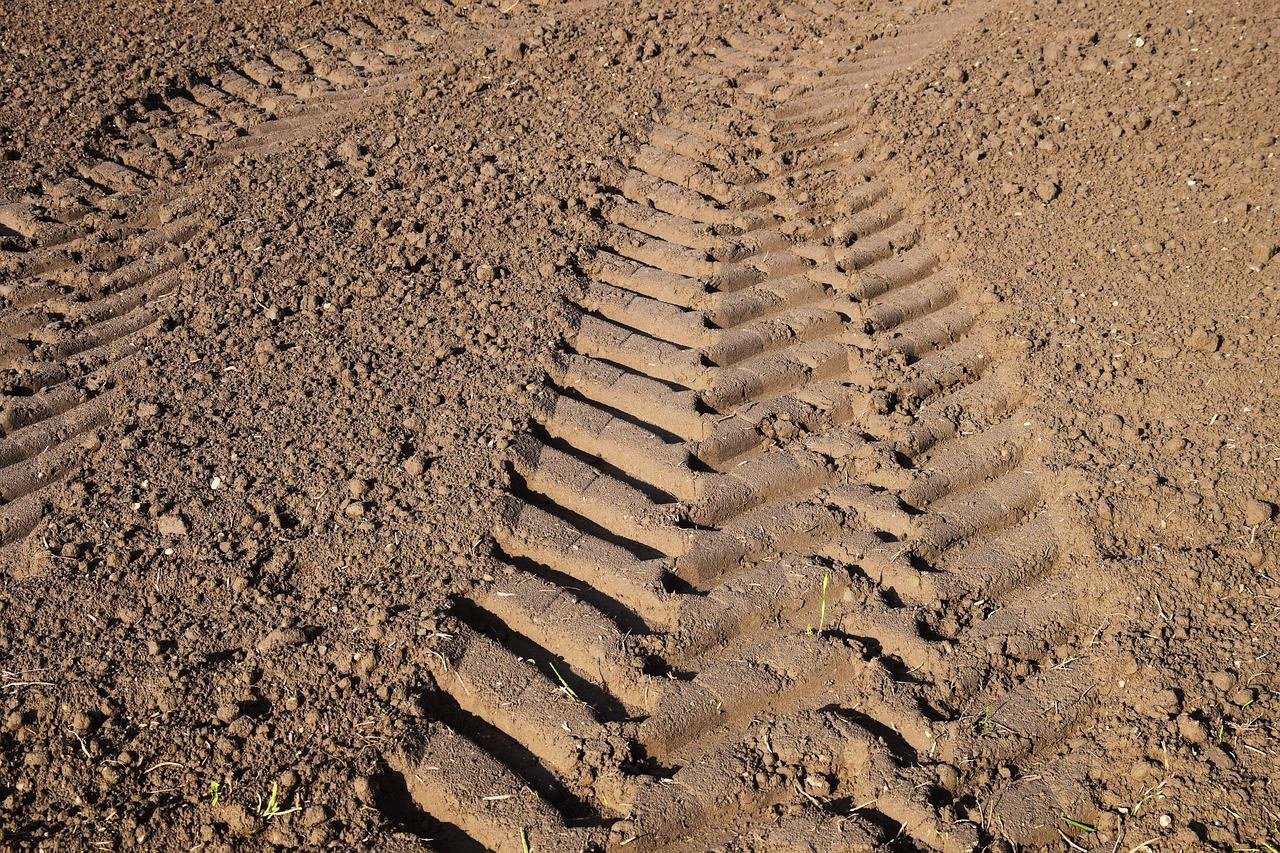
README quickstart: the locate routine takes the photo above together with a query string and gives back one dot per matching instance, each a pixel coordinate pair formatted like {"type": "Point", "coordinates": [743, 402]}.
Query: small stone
{"type": "Point", "coordinates": [1204, 340]}
{"type": "Point", "coordinates": [1047, 191]}
{"type": "Point", "coordinates": [414, 465]}
{"type": "Point", "coordinates": [227, 712]}
{"type": "Point", "coordinates": [955, 73]}
{"type": "Point", "coordinates": [1258, 512]}
{"type": "Point", "coordinates": [1112, 424]}
{"type": "Point", "coordinates": [357, 487]}
{"type": "Point", "coordinates": [281, 637]}
{"type": "Point", "coordinates": [1192, 730]}
{"type": "Point", "coordinates": [1166, 703]}
{"type": "Point", "coordinates": [237, 818]}
{"type": "Point", "coordinates": [82, 723]}
{"type": "Point", "coordinates": [1265, 250]}
{"type": "Point", "coordinates": [948, 777]}
{"type": "Point", "coordinates": [148, 410]}
{"type": "Point", "coordinates": [1222, 680]}
{"type": "Point", "coordinates": [1219, 758]}
{"type": "Point", "coordinates": [171, 525]}
{"type": "Point", "coordinates": [314, 815]}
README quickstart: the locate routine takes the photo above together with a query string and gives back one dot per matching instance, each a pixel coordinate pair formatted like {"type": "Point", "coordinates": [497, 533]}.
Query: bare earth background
{"type": "Point", "coordinates": [233, 583]}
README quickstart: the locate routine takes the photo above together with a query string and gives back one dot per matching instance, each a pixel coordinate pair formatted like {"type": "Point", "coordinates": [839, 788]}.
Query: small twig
{"type": "Point", "coordinates": [83, 746]}
{"type": "Point", "coordinates": [162, 764]}
{"type": "Point", "coordinates": [808, 796]}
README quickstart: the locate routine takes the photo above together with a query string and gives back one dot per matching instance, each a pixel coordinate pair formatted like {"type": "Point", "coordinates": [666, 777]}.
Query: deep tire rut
{"type": "Point", "coordinates": [782, 567]}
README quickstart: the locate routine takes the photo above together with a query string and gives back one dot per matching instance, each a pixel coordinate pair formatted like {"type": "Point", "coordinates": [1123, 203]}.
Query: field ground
{"type": "Point", "coordinates": [789, 425]}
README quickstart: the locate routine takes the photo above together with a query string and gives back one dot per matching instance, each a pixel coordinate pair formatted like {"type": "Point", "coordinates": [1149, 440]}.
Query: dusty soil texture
{"type": "Point", "coordinates": [569, 426]}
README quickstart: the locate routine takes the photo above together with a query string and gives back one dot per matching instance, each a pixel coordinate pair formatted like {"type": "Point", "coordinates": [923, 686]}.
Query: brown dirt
{"type": "Point", "coordinates": [797, 426]}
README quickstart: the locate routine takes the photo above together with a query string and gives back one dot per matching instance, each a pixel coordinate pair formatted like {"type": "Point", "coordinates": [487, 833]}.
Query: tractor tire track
{"type": "Point", "coordinates": [783, 568]}
{"type": "Point", "coordinates": [90, 258]}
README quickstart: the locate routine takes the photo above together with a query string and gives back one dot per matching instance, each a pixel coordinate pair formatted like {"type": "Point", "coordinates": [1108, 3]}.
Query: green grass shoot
{"type": "Point", "coordinates": [524, 836]}
{"type": "Point", "coordinates": [1083, 827]}
{"type": "Point", "coordinates": [564, 685]}
{"type": "Point", "coordinates": [822, 613]}
{"type": "Point", "coordinates": [215, 791]}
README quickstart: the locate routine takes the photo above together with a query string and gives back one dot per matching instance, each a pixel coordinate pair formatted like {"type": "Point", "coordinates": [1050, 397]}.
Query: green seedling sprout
{"type": "Point", "coordinates": [524, 836]}
{"type": "Point", "coordinates": [988, 724]}
{"type": "Point", "coordinates": [272, 808]}
{"type": "Point", "coordinates": [564, 685]}
{"type": "Point", "coordinates": [215, 791]}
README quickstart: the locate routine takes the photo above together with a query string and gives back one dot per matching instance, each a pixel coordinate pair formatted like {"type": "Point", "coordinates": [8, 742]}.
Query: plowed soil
{"type": "Point", "coordinates": [811, 425]}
